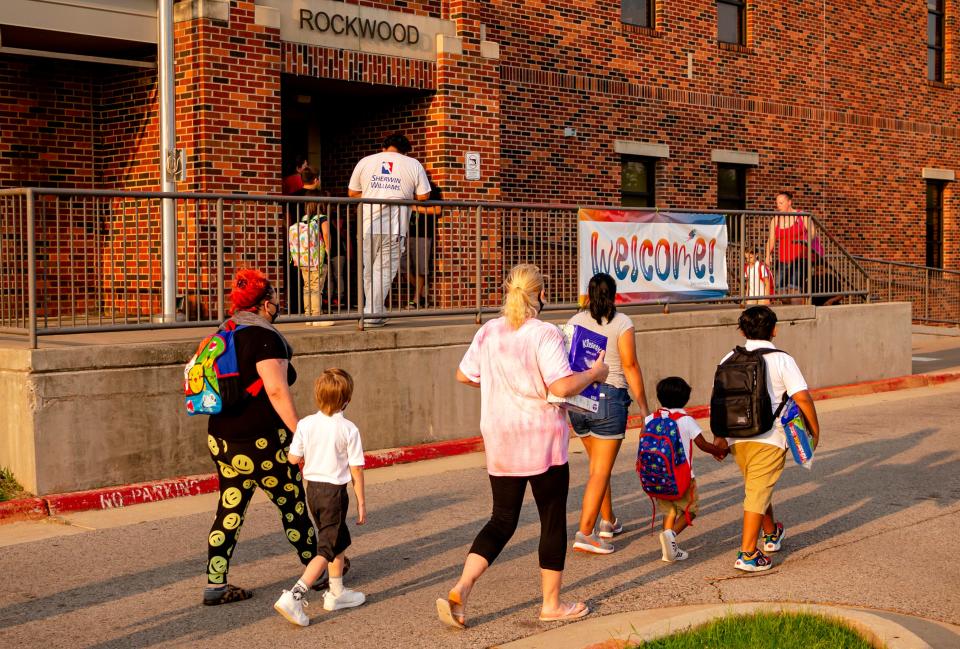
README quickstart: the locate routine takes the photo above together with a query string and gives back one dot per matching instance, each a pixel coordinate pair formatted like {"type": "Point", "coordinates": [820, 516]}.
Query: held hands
{"type": "Point", "coordinates": [722, 449]}
{"type": "Point", "coordinates": [361, 513]}
{"type": "Point", "coordinates": [600, 369]}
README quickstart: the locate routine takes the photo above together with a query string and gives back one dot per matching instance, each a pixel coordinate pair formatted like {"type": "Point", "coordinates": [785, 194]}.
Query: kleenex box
{"type": "Point", "coordinates": [583, 346]}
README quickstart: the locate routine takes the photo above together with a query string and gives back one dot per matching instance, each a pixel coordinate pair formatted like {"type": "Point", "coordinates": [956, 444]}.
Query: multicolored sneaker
{"type": "Point", "coordinates": [591, 543]}
{"type": "Point", "coordinates": [771, 542]}
{"type": "Point", "coordinates": [608, 530]}
{"type": "Point", "coordinates": [756, 562]}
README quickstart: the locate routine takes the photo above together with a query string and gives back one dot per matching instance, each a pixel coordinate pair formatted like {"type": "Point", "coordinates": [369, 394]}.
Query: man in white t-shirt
{"type": "Point", "coordinates": [389, 175]}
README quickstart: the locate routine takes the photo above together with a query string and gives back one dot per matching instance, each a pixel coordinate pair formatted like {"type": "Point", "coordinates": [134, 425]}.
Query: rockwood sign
{"type": "Point", "coordinates": [339, 24]}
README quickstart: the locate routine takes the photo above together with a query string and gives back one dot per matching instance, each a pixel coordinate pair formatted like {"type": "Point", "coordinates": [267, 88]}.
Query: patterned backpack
{"type": "Point", "coordinates": [211, 380]}
{"type": "Point", "coordinates": [662, 462]}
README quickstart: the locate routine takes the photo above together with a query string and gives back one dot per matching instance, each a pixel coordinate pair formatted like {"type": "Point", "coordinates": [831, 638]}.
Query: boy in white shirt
{"type": "Point", "coordinates": [673, 393]}
{"type": "Point", "coordinates": [757, 278]}
{"type": "Point", "coordinates": [761, 458]}
{"type": "Point", "coordinates": [329, 445]}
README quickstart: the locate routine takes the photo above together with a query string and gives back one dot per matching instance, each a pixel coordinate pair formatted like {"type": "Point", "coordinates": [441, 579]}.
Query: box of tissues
{"type": "Point", "coordinates": [583, 346]}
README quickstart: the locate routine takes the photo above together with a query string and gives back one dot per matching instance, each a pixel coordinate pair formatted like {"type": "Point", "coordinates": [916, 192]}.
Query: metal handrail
{"type": "Point", "coordinates": [934, 293]}
{"type": "Point", "coordinates": [903, 264]}
{"type": "Point", "coordinates": [118, 296]}
{"type": "Point", "coordinates": [340, 200]}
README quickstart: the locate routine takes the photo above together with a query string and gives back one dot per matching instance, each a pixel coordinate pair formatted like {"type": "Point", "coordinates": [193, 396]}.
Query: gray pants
{"type": "Point", "coordinates": [381, 261]}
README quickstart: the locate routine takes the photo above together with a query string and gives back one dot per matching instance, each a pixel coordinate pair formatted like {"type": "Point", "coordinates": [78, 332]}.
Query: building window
{"type": "Point", "coordinates": [935, 34]}
{"type": "Point", "coordinates": [935, 224]}
{"type": "Point", "coordinates": [731, 187]}
{"type": "Point", "coordinates": [732, 21]}
{"type": "Point", "coordinates": [638, 182]}
{"type": "Point", "coordinates": [637, 12]}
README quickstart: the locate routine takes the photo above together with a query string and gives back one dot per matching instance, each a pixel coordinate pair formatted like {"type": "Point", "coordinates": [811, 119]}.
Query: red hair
{"type": "Point", "coordinates": [250, 288]}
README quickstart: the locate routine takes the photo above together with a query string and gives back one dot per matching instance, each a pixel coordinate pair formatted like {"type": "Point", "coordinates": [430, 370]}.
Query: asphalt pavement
{"type": "Point", "coordinates": [873, 525]}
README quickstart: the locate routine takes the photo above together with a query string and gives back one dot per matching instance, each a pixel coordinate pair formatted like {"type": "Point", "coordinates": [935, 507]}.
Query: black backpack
{"type": "Point", "coordinates": [740, 405]}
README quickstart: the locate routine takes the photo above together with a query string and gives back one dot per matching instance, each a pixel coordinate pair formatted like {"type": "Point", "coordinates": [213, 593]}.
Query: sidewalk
{"type": "Point", "coordinates": [889, 466]}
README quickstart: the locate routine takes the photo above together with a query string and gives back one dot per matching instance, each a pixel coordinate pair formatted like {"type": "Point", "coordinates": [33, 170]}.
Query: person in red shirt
{"type": "Point", "coordinates": [790, 234]}
{"type": "Point", "coordinates": [293, 181]}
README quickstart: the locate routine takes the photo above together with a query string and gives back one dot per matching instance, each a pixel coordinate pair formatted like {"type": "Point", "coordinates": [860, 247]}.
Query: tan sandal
{"type": "Point", "coordinates": [447, 614]}
{"type": "Point", "coordinates": [568, 612]}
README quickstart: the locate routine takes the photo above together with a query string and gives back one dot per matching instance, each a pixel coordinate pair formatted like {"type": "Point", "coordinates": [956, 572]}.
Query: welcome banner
{"type": "Point", "coordinates": [654, 256]}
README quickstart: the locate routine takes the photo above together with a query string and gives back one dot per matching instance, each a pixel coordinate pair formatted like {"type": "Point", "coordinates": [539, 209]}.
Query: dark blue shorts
{"type": "Point", "coordinates": [610, 419]}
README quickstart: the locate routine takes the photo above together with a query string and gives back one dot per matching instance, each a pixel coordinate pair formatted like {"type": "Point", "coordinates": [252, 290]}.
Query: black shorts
{"type": "Point", "coordinates": [329, 504]}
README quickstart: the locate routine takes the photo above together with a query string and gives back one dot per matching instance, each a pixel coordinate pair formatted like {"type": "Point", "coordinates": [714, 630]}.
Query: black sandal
{"type": "Point", "coordinates": [229, 595]}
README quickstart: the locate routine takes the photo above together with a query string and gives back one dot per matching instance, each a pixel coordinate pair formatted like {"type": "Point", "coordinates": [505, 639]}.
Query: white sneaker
{"type": "Point", "coordinates": [669, 551]}
{"type": "Point", "coordinates": [346, 599]}
{"type": "Point", "coordinates": [292, 609]}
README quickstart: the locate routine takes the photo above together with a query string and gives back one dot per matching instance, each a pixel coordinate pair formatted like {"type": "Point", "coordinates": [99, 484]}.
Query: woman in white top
{"type": "Point", "coordinates": [602, 432]}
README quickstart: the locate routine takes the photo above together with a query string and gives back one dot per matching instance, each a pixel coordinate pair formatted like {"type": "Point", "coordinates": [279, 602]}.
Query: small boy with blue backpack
{"type": "Point", "coordinates": [664, 462]}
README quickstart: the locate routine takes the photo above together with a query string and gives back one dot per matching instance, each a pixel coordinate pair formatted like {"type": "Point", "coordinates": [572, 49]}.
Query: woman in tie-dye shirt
{"type": "Point", "coordinates": [516, 360]}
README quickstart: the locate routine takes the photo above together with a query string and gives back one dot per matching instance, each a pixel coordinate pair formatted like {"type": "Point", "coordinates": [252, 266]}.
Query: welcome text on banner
{"type": "Point", "coordinates": [654, 256]}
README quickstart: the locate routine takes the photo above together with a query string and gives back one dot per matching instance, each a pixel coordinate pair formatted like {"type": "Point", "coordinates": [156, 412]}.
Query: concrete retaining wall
{"type": "Point", "coordinates": [96, 415]}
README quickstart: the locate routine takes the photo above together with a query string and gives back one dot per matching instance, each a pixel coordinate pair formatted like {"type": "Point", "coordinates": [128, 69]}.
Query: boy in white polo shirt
{"type": "Point", "coordinates": [761, 458]}
{"type": "Point", "coordinates": [329, 445]}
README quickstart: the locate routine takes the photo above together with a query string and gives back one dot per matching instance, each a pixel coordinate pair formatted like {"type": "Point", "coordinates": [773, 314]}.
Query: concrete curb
{"type": "Point", "coordinates": [614, 631]}
{"type": "Point", "coordinates": [135, 494]}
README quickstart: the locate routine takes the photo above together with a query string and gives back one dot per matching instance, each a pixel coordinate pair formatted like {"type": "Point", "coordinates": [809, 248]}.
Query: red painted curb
{"type": "Point", "coordinates": [406, 454]}
{"type": "Point", "coordinates": [23, 509]}
{"type": "Point", "coordinates": [135, 494]}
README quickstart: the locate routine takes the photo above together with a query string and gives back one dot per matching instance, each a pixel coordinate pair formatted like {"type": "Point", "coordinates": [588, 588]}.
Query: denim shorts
{"type": "Point", "coordinates": [610, 419]}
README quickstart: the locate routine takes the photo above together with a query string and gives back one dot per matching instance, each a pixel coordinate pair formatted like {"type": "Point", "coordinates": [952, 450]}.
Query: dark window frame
{"type": "Point", "coordinates": [650, 196]}
{"type": "Point", "coordinates": [934, 224]}
{"type": "Point", "coordinates": [651, 15]}
{"type": "Point", "coordinates": [741, 6]}
{"type": "Point", "coordinates": [738, 201]}
{"type": "Point", "coordinates": [936, 71]}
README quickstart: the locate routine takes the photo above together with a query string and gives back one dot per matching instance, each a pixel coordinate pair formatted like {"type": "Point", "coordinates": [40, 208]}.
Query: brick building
{"type": "Point", "coordinates": [855, 106]}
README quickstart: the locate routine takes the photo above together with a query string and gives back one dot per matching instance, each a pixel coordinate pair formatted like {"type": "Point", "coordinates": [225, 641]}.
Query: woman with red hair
{"type": "Point", "coordinates": [248, 442]}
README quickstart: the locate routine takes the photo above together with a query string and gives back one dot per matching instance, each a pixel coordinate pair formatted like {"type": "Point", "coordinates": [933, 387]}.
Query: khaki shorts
{"type": "Point", "coordinates": [680, 506]}
{"type": "Point", "coordinates": [761, 465]}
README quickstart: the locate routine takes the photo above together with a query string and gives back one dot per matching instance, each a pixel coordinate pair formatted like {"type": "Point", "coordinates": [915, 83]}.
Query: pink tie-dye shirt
{"type": "Point", "coordinates": [523, 434]}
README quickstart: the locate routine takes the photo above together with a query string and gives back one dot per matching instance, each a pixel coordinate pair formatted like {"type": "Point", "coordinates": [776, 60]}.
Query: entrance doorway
{"type": "Point", "coordinates": [334, 124]}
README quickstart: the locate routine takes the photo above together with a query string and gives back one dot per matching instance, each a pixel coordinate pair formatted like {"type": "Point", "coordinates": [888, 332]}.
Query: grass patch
{"type": "Point", "coordinates": [9, 487]}
{"type": "Point", "coordinates": [765, 631]}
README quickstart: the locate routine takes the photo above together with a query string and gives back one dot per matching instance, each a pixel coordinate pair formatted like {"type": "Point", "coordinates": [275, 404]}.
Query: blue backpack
{"type": "Point", "coordinates": [211, 380]}
{"type": "Point", "coordinates": [662, 463]}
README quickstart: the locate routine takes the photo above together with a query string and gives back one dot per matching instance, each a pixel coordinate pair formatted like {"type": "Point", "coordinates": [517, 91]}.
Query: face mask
{"type": "Point", "coordinates": [276, 311]}
{"type": "Point", "coordinates": [540, 300]}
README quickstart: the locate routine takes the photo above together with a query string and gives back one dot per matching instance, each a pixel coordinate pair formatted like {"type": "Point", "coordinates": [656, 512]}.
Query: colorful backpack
{"type": "Point", "coordinates": [662, 462]}
{"type": "Point", "coordinates": [211, 380]}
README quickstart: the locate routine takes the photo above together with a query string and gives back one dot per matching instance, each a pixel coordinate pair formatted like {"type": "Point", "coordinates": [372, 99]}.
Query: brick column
{"type": "Point", "coordinates": [465, 117]}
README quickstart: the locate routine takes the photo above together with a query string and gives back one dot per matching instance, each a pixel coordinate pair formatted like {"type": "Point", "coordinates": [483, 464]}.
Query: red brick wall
{"type": "Point", "coordinates": [46, 123]}
{"type": "Point", "coordinates": [127, 134]}
{"type": "Point", "coordinates": [836, 104]}
{"type": "Point", "coordinates": [849, 137]}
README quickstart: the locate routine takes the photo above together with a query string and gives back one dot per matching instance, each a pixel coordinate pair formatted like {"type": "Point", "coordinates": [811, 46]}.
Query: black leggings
{"type": "Point", "coordinates": [242, 467]}
{"type": "Point", "coordinates": [550, 493]}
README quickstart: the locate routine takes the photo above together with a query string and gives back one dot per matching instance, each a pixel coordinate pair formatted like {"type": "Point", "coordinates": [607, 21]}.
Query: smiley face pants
{"type": "Point", "coordinates": [242, 466]}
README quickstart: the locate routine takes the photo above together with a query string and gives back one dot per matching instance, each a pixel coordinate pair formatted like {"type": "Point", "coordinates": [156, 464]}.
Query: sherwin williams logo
{"type": "Point", "coordinates": [386, 167]}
